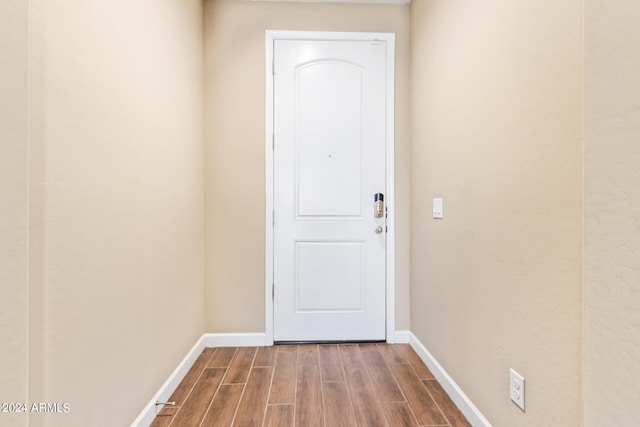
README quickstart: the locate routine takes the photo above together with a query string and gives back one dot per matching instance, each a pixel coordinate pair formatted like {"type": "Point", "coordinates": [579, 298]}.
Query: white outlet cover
{"type": "Point", "coordinates": [516, 388]}
{"type": "Point", "coordinates": [437, 208]}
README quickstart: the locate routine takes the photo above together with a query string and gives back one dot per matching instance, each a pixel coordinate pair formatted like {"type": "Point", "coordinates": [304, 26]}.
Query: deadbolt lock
{"type": "Point", "coordinates": [378, 205]}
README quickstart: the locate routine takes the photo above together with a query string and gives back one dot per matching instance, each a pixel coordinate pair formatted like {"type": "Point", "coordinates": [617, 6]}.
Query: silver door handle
{"type": "Point", "coordinates": [378, 229]}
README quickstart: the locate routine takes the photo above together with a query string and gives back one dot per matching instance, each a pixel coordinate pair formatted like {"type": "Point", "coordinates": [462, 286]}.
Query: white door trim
{"type": "Point", "coordinates": [389, 38]}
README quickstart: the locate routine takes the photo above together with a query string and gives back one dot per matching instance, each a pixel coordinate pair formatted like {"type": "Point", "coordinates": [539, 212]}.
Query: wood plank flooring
{"type": "Point", "coordinates": [310, 385]}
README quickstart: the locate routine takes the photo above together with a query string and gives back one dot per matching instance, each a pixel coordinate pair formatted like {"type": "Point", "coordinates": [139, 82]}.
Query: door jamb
{"type": "Point", "coordinates": [389, 38]}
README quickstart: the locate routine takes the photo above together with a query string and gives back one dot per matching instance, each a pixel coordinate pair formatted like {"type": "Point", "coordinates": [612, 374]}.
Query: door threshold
{"type": "Point", "coordinates": [329, 342]}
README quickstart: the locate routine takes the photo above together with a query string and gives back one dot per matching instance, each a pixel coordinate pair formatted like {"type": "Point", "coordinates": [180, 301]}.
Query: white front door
{"type": "Point", "coordinates": [329, 163]}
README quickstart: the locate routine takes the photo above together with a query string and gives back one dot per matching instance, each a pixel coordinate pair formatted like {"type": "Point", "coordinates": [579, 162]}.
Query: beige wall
{"type": "Point", "coordinates": [116, 203]}
{"type": "Point", "coordinates": [14, 312]}
{"type": "Point", "coordinates": [612, 197]}
{"type": "Point", "coordinates": [235, 160]}
{"type": "Point", "coordinates": [497, 132]}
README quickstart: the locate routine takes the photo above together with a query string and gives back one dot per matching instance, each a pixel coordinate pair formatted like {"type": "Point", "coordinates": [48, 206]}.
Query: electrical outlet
{"type": "Point", "coordinates": [516, 388]}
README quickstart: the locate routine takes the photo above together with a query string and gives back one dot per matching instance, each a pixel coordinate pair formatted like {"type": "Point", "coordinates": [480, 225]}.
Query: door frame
{"type": "Point", "coordinates": [270, 37]}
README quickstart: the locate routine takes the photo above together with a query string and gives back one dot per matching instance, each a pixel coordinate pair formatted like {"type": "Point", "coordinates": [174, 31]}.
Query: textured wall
{"type": "Point", "coordinates": [14, 172]}
{"type": "Point", "coordinates": [497, 132]}
{"type": "Point", "coordinates": [235, 163]}
{"type": "Point", "coordinates": [116, 204]}
{"type": "Point", "coordinates": [612, 214]}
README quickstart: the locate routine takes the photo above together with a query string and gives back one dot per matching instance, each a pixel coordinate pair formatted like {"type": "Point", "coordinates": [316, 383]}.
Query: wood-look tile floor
{"type": "Point", "coordinates": [310, 385]}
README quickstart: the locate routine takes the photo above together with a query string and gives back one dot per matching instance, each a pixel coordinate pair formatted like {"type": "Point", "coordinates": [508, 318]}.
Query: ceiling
{"type": "Point", "coordinates": [344, 1]}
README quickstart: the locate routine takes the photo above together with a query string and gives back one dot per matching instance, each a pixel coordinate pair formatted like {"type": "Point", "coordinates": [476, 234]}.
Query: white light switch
{"type": "Point", "coordinates": [437, 208]}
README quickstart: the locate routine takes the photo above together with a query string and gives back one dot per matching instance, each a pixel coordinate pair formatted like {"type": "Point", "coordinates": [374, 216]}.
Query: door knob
{"type": "Point", "coordinates": [378, 229]}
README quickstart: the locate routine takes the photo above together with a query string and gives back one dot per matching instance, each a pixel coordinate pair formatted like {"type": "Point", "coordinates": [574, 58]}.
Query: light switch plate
{"type": "Point", "coordinates": [437, 208]}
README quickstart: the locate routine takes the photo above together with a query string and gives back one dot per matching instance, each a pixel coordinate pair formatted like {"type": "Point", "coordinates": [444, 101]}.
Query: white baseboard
{"type": "Point", "coordinates": [401, 337]}
{"type": "Point", "coordinates": [258, 339]}
{"type": "Point", "coordinates": [456, 394]}
{"type": "Point", "coordinates": [150, 411]}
